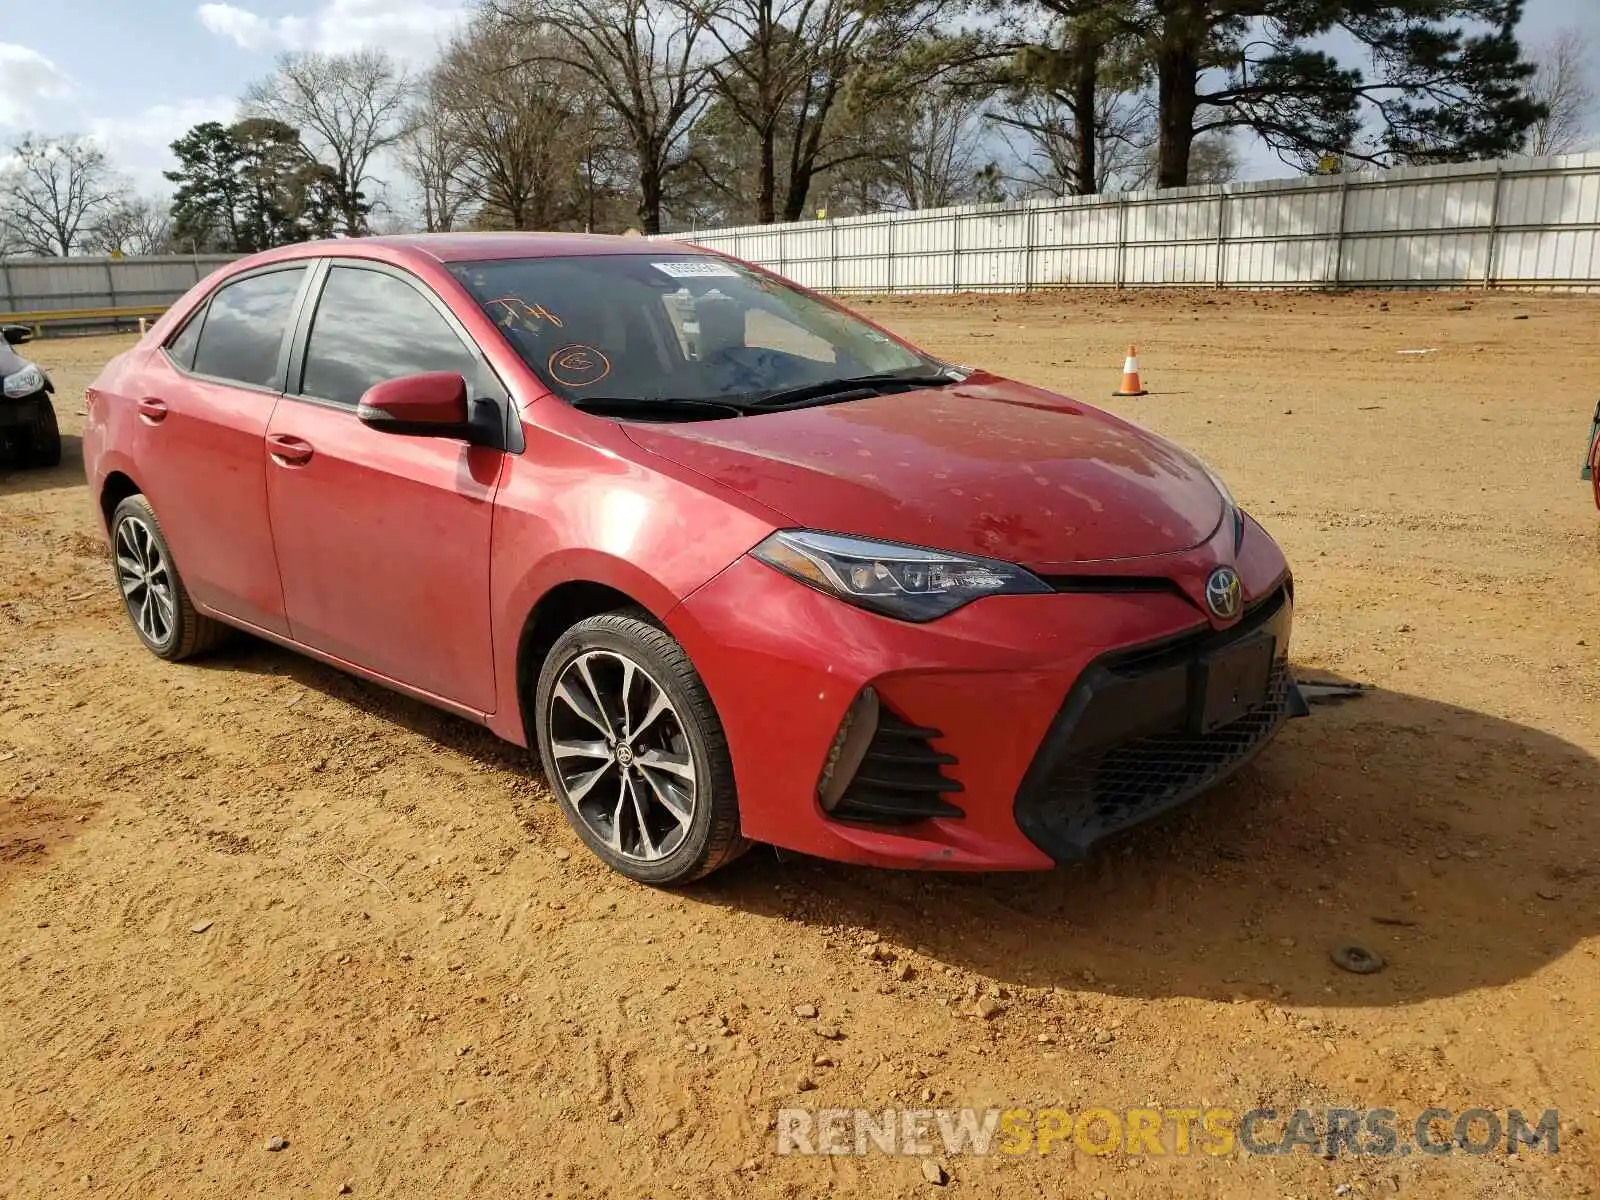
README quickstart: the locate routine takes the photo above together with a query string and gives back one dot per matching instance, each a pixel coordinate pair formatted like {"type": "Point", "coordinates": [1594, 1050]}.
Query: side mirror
{"type": "Point", "coordinates": [429, 405]}
{"type": "Point", "coordinates": [17, 334]}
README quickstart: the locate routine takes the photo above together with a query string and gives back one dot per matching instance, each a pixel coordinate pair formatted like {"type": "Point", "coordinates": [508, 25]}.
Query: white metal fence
{"type": "Point", "coordinates": [1530, 222]}
{"type": "Point", "coordinates": [70, 284]}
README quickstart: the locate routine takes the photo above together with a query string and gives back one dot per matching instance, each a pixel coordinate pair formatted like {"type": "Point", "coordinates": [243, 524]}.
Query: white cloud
{"type": "Point", "coordinates": [28, 82]}
{"type": "Point", "coordinates": [406, 28]}
{"type": "Point", "coordinates": [139, 144]}
{"type": "Point", "coordinates": [246, 28]}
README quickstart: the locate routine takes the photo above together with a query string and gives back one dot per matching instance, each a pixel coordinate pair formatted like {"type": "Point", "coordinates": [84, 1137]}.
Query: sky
{"type": "Point", "coordinates": [137, 73]}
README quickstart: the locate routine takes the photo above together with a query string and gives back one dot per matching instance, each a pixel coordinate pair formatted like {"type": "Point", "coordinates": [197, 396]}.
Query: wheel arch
{"type": "Point", "coordinates": [116, 488]}
{"type": "Point", "coordinates": [532, 608]}
{"type": "Point", "coordinates": [556, 611]}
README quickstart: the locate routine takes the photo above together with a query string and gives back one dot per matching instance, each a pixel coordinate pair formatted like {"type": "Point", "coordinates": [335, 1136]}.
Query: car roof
{"type": "Point", "coordinates": [480, 247]}
{"type": "Point", "coordinates": [417, 251]}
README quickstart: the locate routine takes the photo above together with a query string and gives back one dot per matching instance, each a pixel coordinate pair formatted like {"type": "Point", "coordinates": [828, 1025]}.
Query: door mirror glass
{"type": "Point", "coordinates": [433, 404]}
{"type": "Point", "coordinates": [17, 334]}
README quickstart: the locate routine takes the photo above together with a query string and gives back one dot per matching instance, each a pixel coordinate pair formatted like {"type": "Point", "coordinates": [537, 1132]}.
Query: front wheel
{"type": "Point", "coordinates": [635, 752]}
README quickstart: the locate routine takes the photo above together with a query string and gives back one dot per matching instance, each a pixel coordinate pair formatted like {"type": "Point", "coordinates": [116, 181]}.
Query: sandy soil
{"type": "Point", "coordinates": [410, 969]}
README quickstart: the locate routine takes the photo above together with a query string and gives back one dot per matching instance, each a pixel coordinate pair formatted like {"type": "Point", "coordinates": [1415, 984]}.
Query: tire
{"type": "Point", "coordinates": [637, 768]}
{"type": "Point", "coordinates": [41, 441]}
{"type": "Point", "coordinates": [158, 604]}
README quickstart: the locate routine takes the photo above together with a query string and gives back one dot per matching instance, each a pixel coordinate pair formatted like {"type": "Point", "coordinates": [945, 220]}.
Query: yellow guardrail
{"type": "Point", "coordinates": [55, 316]}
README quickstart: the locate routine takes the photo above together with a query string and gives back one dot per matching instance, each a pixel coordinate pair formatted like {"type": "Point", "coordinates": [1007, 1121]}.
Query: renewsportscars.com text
{"type": "Point", "coordinates": [1213, 1131]}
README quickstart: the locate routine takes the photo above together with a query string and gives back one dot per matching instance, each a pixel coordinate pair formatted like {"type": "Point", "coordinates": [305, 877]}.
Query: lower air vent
{"type": "Point", "coordinates": [900, 779]}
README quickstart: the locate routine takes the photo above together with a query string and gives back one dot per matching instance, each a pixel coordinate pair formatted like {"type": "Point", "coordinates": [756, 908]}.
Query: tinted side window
{"type": "Point", "coordinates": [245, 325]}
{"type": "Point", "coordinates": [370, 327]}
{"type": "Point", "coordinates": [181, 348]}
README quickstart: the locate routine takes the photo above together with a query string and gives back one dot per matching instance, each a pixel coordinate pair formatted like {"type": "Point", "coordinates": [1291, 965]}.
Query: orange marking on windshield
{"type": "Point", "coordinates": [577, 366]}
{"type": "Point", "coordinates": [516, 306]}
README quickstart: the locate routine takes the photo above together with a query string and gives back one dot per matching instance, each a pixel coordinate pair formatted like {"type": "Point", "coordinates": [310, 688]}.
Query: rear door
{"type": "Point", "coordinates": [199, 446]}
{"type": "Point", "coordinates": [383, 539]}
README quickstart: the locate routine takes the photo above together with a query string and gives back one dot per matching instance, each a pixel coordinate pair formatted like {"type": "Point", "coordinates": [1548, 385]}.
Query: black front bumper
{"type": "Point", "coordinates": [23, 412]}
{"type": "Point", "coordinates": [1132, 738]}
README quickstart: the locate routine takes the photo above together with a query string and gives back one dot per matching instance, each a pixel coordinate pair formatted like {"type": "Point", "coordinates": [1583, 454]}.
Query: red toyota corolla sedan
{"type": "Point", "coordinates": [743, 566]}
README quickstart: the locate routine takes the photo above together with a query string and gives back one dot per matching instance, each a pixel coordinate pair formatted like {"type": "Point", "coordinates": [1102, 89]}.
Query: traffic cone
{"type": "Point", "coordinates": [1130, 376]}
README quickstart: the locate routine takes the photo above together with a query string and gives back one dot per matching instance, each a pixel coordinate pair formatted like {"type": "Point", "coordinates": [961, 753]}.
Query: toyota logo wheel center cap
{"type": "Point", "coordinates": [1224, 593]}
{"type": "Point", "coordinates": [624, 754]}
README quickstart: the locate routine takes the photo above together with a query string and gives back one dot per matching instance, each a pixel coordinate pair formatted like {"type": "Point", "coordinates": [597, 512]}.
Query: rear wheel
{"type": "Point", "coordinates": [635, 752]}
{"type": "Point", "coordinates": [152, 591]}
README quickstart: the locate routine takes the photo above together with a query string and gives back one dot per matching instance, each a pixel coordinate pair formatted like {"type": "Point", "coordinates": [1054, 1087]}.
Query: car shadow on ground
{"type": "Point", "coordinates": [1456, 845]}
{"type": "Point", "coordinates": [17, 480]}
{"type": "Point", "coordinates": [260, 657]}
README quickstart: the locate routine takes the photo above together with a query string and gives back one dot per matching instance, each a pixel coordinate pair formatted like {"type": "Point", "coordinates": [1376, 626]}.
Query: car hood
{"type": "Point", "coordinates": [988, 466]}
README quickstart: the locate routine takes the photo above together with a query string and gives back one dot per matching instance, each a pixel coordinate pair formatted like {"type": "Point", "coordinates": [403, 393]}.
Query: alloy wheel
{"type": "Point", "coordinates": [145, 577]}
{"type": "Point", "coordinates": [621, 754]}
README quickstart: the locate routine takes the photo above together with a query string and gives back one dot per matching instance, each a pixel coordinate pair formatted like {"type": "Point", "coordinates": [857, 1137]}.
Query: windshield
{"type": "Point", "coordinates": [710, 336]}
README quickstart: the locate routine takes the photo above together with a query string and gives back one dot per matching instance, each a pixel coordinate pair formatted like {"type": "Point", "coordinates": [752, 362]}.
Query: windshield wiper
{"type": "Point", "coordinates": [866, 385]}
{"type": "Point", "coordinates": [658, 407]}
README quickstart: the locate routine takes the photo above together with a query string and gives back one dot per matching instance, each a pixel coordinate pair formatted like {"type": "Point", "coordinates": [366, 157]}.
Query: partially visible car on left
{"type": "Point", "coordinates": [28, 427]}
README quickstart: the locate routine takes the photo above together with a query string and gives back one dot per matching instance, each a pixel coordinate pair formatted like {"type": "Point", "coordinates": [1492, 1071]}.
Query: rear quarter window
{"type": "Point", "coordinates": [181, 348]}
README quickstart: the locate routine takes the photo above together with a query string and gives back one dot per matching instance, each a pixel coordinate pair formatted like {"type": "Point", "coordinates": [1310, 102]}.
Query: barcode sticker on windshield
{"type": "Point", "coordinates": [696, 268]}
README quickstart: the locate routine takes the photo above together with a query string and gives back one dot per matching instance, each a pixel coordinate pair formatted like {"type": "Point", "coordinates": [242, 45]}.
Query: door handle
{"type": "Point", "coordinates": [289, 451]}
{"type": "Point", "coordinates": [152, 409]}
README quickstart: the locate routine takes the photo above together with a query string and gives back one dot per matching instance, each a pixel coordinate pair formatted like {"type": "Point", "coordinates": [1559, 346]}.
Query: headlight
{"type": "Point", "coordinates": [24, 382]}
{"type": "Point", "coordinates": [907, 582]}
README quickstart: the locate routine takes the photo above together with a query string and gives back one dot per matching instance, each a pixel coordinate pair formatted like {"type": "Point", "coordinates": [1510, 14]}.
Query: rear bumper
{"type": "Point", "coordinates": [994, 693]}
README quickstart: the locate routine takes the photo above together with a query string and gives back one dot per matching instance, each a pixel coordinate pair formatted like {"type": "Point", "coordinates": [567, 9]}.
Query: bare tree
{"type": "Point", "coordinates": [1563, 83]}
{"type": "Point", "coordinates": [435, 160]}
{"type": "Point", "coordinates": [939, 160]}
{"type": "Point", "coordinates": [1052, 158]}
{"type": "Point", "coordinates": [785, 67]}
{"type": "Point", "coordinates": [1062, 94]}
{"type": "Point", "coordinates": [141, 225]}
{"type": "Point", "coordinates": [1213, 158]}
{"type": "Point", "coordinates": [521, 118]}
{"type": "Point", "coordinates": [53, 192]}
{"type": "Point", "coordinates": [346, 107]}
{"type": "Point", "coordinates": [1126, 151]}
{"type": "Point", "coordinates": [645, 58]}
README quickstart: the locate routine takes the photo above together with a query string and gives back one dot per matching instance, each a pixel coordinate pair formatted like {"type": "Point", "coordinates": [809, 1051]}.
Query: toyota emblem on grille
{"type": "Point", "coordinates": [1224, 593]}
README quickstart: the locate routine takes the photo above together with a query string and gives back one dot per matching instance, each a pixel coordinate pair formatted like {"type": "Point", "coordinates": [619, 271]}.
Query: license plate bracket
{"type": "Point", "coordinates": [1230, 683]}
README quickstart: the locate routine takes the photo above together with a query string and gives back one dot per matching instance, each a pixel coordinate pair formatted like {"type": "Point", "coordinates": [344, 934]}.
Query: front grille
{"type": "Point", "coordinates": [1128, 744]}
{"type": "Point", "coordinates": [1102, 791]}
{"type": "Point", "coordinates": [901, 777]}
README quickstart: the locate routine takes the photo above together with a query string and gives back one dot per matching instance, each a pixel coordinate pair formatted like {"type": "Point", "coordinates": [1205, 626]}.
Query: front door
{"type": "Point", "coordinates": [383, 539]}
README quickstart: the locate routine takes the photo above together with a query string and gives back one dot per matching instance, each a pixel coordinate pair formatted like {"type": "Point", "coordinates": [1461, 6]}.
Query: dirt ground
{"type": "Point", "coordinates": [252, 897]}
